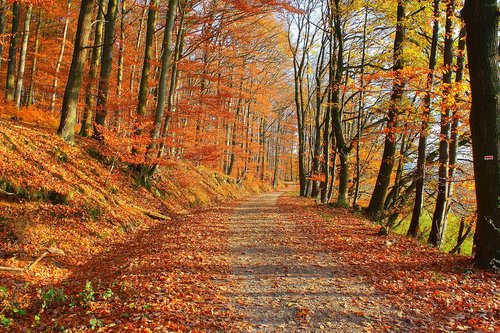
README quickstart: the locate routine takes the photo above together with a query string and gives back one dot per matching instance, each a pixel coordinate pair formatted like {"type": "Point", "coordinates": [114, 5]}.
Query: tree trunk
{"type": "Point", "coordinates": [319, 74]}
{"type": "Point", "coordinates": [121, 52]}
{"type": "Point", "coordinates": [387, 163]}
{"type": "Point", "coordinates": [455, 119]}
{"type": "Point", "coordinates": [360, 111]}
{"type": "Point", "coordinates": [174, 79]}
{"type": "Point", "coordinates": [22, 56]}
{"type": "Point", "coordinates": [137, 46]}
{"type": "Point", "coordinates": [90, 88]}
{"type": "Point", "coordinates": [481, 18]}
{"type": "Point", "coordinates": [342, 148]}
{"type": "Point", "coordinates": [31, 90]}
{"type": "Point", "coordinates": [70, 101]}
{"type": "Point", "coordinates": [439, 217]}
{"type": "Point", "coordinates": [148, 58]}
{"type": "Point", "coordinates": [3, 12]}
{"type": "Point", "coordinates": [55, 84]}
{"type": "Point", "coordinates": [413, 230]}
{"type": "Point", "coordinates": [11, 66]}
{"type": "Point", "coordinates": [162, 85]}
{"type": "Point", "coordinates": [106, 67]}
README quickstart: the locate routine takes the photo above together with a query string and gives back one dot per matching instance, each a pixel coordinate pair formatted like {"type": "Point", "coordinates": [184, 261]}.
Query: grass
{"type": "Point", "coordinates": [451, 233]}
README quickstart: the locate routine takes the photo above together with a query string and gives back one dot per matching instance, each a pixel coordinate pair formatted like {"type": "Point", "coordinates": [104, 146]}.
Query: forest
{"type": "Point", "coordinates": [120, 119]}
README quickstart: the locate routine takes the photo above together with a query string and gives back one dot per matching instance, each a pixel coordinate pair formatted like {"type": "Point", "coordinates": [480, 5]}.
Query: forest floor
{"type": "Point", "coordinates": [272, 262]}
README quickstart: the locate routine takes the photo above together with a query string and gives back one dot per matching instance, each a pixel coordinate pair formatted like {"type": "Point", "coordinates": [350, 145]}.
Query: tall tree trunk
{"type": "Point", "coordinates": [106, 67]}
{"type": "Point", "coordinates": [277, 154]}
{"type": "Point", "coordinates": [3, 13]}
{"type": "Point", "coordinates": [174, 79]}
{"type": "Point", "coordinates": [481, 18]}
{"type": "Point", "coordinates": [34, 63]}
{"type": "Point", "coordinates": [413, 230]}
{"type": "Point", "coordinates": [22, 56]}
{"type": "Point", "coordinates": [162, 85]}
{"type": "Point", "coordinates": [91, 86]}
{"type": "Point", "coordinates": [70, 101]}
{"type": "Point", "coordinates": [11, 66]}
{"type": "Point", "coordinates": [55, 83]}
{"type": "Point", "coordinates": [148, 58]}
{"type": "Point", "coordinates": [325, 198]}
{"type": "Point", "coordinates": [455, 120]}
{"type": "Point", "coordinates": [439, 217]}
{"type": "Point", "coordinates": [137, 46]}
{"type": "Point", "coordinates": [121, 52]}
{"type": "Point", "coordinates": [387, 163]}
{"type": "Point", "coordinates": [319, 74]}
{"type": "Point", "coordinates": [360, 111]}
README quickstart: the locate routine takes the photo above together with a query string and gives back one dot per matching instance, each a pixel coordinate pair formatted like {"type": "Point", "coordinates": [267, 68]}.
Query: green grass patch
{"type": "Point", "coordinates": [451, 233]}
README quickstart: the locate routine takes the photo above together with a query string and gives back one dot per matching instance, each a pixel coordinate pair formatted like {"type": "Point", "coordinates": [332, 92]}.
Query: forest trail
{"type": "Point", "coordinates": [272, 262]}
{"type": "Point", "coordinates": [284, 282]}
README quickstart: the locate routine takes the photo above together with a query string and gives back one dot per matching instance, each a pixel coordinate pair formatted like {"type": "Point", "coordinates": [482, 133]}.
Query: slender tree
{"type": "Point", "coordinates": [106, 67]}
{"type": "Point", "coordinates": [3, 12]}
{"type": "Point", "coordinates": [22, 56]}
{"type": "Point", "coordinates": [413, 230]}
{"type": "Point", "coordinates": [34, 62]}
{"type": "Point", "coordinates": [91, 86]}
{"type": "Point", "coordinates": [148, 57]}
{"type": "Point", "coordinates": [11, 66]}
{"type": "Point", "coordinates": [146, 171]}
{"type": "Point", "coordinates": [60, 58]}
{"type": "Point", "coordinates": [439, 218]}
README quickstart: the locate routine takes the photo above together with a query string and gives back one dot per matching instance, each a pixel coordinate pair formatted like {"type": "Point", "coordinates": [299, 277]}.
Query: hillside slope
{"type": "Point", "coordinates": [75, 199]}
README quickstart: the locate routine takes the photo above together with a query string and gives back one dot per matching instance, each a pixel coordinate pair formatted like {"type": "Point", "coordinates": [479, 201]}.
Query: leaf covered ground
{"type": "Point", "coordinates": [269, 263]}
{"type": "Point", "coordinates": [319, 269]}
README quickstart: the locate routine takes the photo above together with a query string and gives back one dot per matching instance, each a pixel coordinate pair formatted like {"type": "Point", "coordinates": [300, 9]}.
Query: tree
{"type": "Point", "coordinates": [22, 57]}
{"type": "Point", "coordinates": [106, 66]}
{"type": "Point", "coordinates": [439, 217]}
{"type": "Point", "coordinates": [72, 92]}
{"type": "Point", "coordinates": [146, 171]}
{"type": "Point", "coordinates": [481, 19]}
{"type": "Point", "coordinates": [387, 163]}
{"type": "Point", "coordinates": [90, 88]}
{"type": "Point", "coordinates": [55, 83]}
{"type": "Point", "coordinates": [148, 57]}
{"type": "Point", "coordinates": [424, 130]}
{"type": "Point", "coordinates": [11, 66]}
{"type": "Point", "coordinates": [3, 10]}
{"type": "Point", "coordinates": [31, 90]}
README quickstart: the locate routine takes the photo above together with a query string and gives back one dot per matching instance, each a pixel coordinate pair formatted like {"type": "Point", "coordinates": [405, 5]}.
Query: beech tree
{"type": "Point", "coordinates": [12, 63]}
{"type": "Point", "coordinates": [22, 56]}
{"type": "Point", "coordinates": [72, 92]}
{"type": "Point", "coordinates": [106, 66]}
{"type": "Point", "coordinates": [146, 172]}
{"type": "Point", "coordinates": [481, 19]}
{"type": "Point", "coordinates": [387, 161]}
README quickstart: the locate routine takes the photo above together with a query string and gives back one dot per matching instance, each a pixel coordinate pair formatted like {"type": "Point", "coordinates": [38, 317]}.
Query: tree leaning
{"type": "Point", "coordinates": [481, 19]}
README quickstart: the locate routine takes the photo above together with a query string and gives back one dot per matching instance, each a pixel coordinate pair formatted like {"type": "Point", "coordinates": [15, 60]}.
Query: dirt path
{"type": "Point", "coordinates": [270, 263]}
{"type": "Point", "coordinates": [284, 282]}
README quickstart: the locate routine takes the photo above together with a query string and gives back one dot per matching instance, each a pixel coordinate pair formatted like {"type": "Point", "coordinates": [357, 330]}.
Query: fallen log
{"type": "Point", "coordinates": [35, 262]}
{"type": "Point", "coordinates": [151, 214]}
{"type": "Point", "coordinates": [12, 269]}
